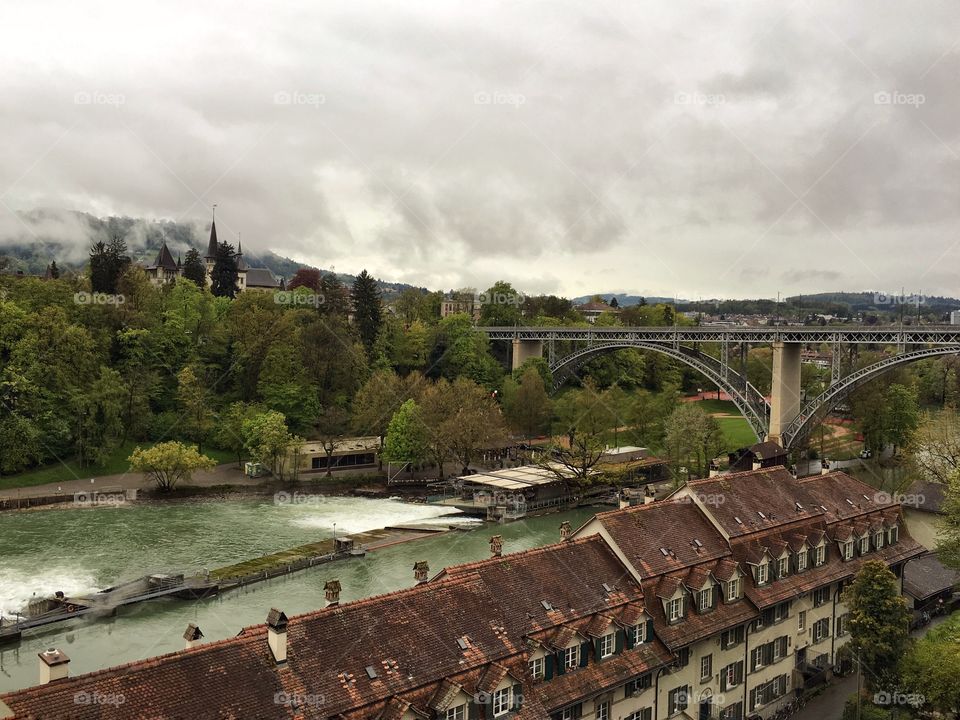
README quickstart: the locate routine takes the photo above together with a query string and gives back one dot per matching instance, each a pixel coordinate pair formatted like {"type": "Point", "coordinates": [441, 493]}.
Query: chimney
{"type": "Point", "coordinates": [53, 665]}
{"type": "Point", "coordinates": [277, 635]}
{"type": "Point", "coordinates": [824, 466]}
{"type": "Point", "coordinates": [565, 530]}
{"type": "Point", "coordinates": [331, 591]}
{"type": "Point", "coordinates": [649, 495]}
{"type": "Point", "coordinates": [757, 464]}
{"type": "Point", "coordinates": [420, 571]}
{"type": "Point", "coordinates": [715, 469]}
{"type": "Point", "coordinates": [192, 635]}
{"type": "Point", "coordinates": [496, 545]}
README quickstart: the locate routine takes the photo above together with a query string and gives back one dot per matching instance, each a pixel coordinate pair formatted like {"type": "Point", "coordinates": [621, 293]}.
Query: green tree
{"type": "Point", "coordinates": [376, 402]}
{"type": "Point", "coordinates": [331, 425]}
{"type": "Point", "coordinates": [98, 416]}
{"type": "Point", "coordinates": [367, 309]}
{"type": "Point", "coordinates": [500, 305]}
{"type": "Point", "coordinates": [169, 463]}
{"type": "Point", "coordinates": [948, 525]}
{"type": "Point", "coordinates": [284, 386]}
{"type": "Point", "coordinates": [460, 351]}
{"type": "Point", "coordinates": [526, 405]}
{"type": "Point", "coordinates": [108, 261]}
{"type": "Point", "coordinates": [931, 667]}
{"type": "Point", "coordinates": [194, 269]}
{"type": "Point", "coordinates": [225, 276]}
{"type": "Point", "coordinates": [879, 624]}
{"type": "Point", "coordinates": [193, 399]}
{"type": "Point", "coordinates": [901, 415]}
{"type": "Point", "coordinates": [583, 418]}
{"type": "Point", "coordinates": [230, 424]}
{"type": "Point", "coordinates": [268, 440]}
{"type": "Point", "coordinates": [475, 423]}
{"type": "Point", "coordinates": [692, 438]}
{"type": "Point", "coordinates": [406, 440]}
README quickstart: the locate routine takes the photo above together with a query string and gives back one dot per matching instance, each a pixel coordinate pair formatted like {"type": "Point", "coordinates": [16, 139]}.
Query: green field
{"type": "Point", "coordinates": [736, 432]}
{"type": "Point", "coordinates": [71, 469]}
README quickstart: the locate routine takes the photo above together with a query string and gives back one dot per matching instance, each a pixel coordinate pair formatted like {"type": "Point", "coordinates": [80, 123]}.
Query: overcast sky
{"type": "Point", "coordinates": [697, 149]}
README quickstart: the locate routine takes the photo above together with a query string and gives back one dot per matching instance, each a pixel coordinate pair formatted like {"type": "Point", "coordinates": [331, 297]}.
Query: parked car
{"type": "Point", "coordinates": [865, 454]}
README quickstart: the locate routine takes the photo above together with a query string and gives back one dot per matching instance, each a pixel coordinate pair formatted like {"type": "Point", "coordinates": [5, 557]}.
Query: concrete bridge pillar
{"type": "Point", "coordinates": [785, 389]}
{"type": "Point", "coordinates": [524, 350]}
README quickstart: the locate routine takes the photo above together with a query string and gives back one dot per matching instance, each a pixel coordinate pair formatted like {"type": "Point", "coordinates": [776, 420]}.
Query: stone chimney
{"type": "Point", "coordinates": [192, 636]}
{"type": "Point", "coordinates": [649, 495]}
{"type": "Point", "coordinates": [331, 591]}
{"type": "Point", "coordinates": [715, 469]}
{"type": "Point", "coordinates": [277, 635]}
{"type": "Point", "coordinates": [496, 545]}
{"type": "Point", "coordinates": [53, 665]}
{"type": "Point", "coordinates": [757, 464]}
{"type": "Point", "coordinates": [824, 466]}
{"type": "Point", "coordinates": [565, 530]}
{"type": "Point", "coordinates": [420, 571]}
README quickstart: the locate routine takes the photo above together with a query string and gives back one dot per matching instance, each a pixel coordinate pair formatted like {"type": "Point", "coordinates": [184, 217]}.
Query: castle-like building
{"type": "Point", "coordinates": [166, 270]}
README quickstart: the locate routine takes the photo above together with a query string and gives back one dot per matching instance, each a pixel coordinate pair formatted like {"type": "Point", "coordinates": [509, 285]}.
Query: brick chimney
{"type": "Point", "coordinates": [715, 469]}
{"type": "Point", "coordinates": [53, 665]}
{"type": "Point", "coordinates": [420, 571]}
{"type": "Point", "coordinates": [824, 466]}
{"type": "Point", "coordinates": [565, 530]}
{"type": "Point", "coordinates": [277, 635]}
{"type": "Point", "coordinates": [192, 636]}
{"type": "Point", "coordinates": [496, 545]}
{"type": "Point", "coordinates": [331, 591]}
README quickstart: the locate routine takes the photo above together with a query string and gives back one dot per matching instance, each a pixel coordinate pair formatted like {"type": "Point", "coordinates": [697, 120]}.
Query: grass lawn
{"type": "Point", "coordinates": [718, 406]}
{"type": "Point", "coordinates": [736, 432]}
{"type": "Point", "coordinates": [71, 470]}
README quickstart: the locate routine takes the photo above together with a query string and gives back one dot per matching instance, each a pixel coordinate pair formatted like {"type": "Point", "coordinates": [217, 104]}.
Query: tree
{"type": "Point", "coordinates": [879, 624]}
{"type": "Point", "coordinates": [459, 351]}
{"type": "Point", "coordinates": [948, 536]}
{"type": "Point", "coordinates": [500, 305]}
{"type": "Point", "coordinates": [169, 463]}
{"type": "Point", "coordinates": [194, 269]}
{"type": "Point", "coordinates": [693, 438]}
{"type": "Point", "coordinates": [331, 426]}
{"type": "Point", "coordinates": [475, 424]}
{"type": "Point", "coordinates": [107, 263]}
{"type": "Point", "coordinates": [901, 415]}
{"type": "Point", "coordinates": [526, 405]}
{"type": "Point", "coordinates": [376, 402]}
{"type": "Point", "coordinates": [98, 411]}
{"type": "Point", "coordinates": [269, 441]}
{"type": "Point", "coordinates": [54, 271]}
{"type": "Point", "coordinates": [367, 309]}
{"type": "Point", "coordinates": [284, 386]}
{"type": "Point", "coordinates": [931, 667]}
{"type": "Point", "coordinates": [225, 276]}
{"type": "Point", "coordinates": [305, 277]}
{"type": "Point", "coordinates": [406, 439]}
{"type": "Point", "coordinates": [336, 299]}
{"type": "Point", "coordinates": [193, 398]}
{"type": "Point", "coordinates": [229, 433]}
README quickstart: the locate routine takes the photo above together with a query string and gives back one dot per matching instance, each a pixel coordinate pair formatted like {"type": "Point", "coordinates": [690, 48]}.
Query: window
{"type": "Point", "coordinates": [733, 589]}
{"type": "Point", "coordinates": [819, 555]}
{"type": "Point", "coordinates": [501, 701]}
{"type": "Point", "coordinates": [536, 668]}
{"type": "Point", "coordinates": [637, 686]}
{"type": "Point", "coordinates": [781, 612]}
{"type": "Point", "coordinates": [801, 561]}
{"type": "Point", "coordinates": [645, 714]}
{"type": "Point", "coordinates": [571, 657]}
{"type": "Point", "coordinates": [779, 648]}
{"type": "Point", "coordinates": [802, 621]}
{"type": "Point", "coordinates": [846, 549]}
{"type": "Point", "coordinates": [821, 595]}
{"type": "Point", "coordinates": [731, 675]}
{"type": "Point", "coordinates": [683, 657]}
{"type": "Point", "coordinates": [677, 700]}
{"type": "Point", "coordinates": [763, 573]}
{"type": "Point", "coordinates": [894, 534]}
{"type": "Point", "coordinates": [456, 713]}
{"type": "Point", "coordinates": [756, 658]}
{"type": "Point", "coordinates": [821, 629]}
{"type": "Point", "coordinates": [570, 713]}
{"type": "Point", "coordinates": [603, 710]}
{"type": "Point", "coordinates": [675, 609]}
{"type": "Point", "coordinates": [607, 645]}
{"type": "Point", "coordinates": [768, 692]}
{"type": "Point", "coordinates": [706, 667]}
{"type": "Point", "coordinates": [638, 631]}
{"type": "Point", "coordinates": [865, 545]}
{"type": "Point", "coordinates": [878, 540]}
{"type": "Point", "coordinates": [729, 638]}
{"type": "Point", "coordinates": [706, 599]}
{"type": "Point", "coordinates": [732, 712]}
{"type": "Point", "coordinates": [842, 623]}
{"type": "Point", "coordinates": [783, 567]}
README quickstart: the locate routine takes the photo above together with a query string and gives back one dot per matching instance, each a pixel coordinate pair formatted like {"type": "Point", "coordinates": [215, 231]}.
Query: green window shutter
{"type": "Point", "coordinates": [584, 651]}
{"type": "Point", "coordinates": [628, 689]}
{"type": "Point", "coordinates": [548, 667]}
{"type": "Point", "coordinates": [561, 664]}
{"type": "Point", "coordinates": [596, 651]}
{"type": "Point", "coordinates": [620, 641]}
{"type": "Point", "coordinates": [517, 696]}
{"type": "Point", "coordinates": [648, 636]}
{"type": "Point", "coordinates": [723, 680]}
{"type": "Point", "coordinates": [628, 638]}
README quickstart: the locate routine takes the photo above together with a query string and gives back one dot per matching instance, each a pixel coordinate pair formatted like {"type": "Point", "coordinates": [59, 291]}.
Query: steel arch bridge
{"type": "Point", "coordinates": [786, 418]}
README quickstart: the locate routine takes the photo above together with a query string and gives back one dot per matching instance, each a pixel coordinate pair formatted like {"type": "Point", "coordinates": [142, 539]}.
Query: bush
{"type": "Point", "coordinates": [868, 711]}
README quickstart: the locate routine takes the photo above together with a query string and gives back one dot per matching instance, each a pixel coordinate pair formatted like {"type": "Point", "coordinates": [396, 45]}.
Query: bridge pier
{"type": "Point", "coordinates": [523, 350]}
{"type": "Point", "coordinates": [785, 389]}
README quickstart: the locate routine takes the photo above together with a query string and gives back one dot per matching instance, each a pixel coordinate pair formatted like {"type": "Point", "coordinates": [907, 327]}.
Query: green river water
{"type": "Point", "coordinates": [78, 550]}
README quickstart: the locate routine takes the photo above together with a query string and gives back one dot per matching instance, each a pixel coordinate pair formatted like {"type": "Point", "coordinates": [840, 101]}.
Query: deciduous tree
{"type": "Point", "coordinates": [169, 463]}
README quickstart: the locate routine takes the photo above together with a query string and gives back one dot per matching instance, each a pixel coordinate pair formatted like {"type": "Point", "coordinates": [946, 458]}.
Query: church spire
{"type": "Point", "coordinates": [212, 246]}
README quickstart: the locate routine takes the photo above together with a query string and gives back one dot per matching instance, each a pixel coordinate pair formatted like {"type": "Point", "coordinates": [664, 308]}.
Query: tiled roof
{"type": "Point", "coordinates": [926, 576]}
{"type": "Point", "coordinates": [928, 496]}
{"type": "Point", "coordinates": [261, 277]}
{"type": "Point", "coordinates": [843, 496]}
{"type": "Point", "coordinates": [644, 532]}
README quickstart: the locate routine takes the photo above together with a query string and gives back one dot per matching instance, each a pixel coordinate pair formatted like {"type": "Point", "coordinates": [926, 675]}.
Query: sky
{"type": "Point", "coordinates": [688, 149]}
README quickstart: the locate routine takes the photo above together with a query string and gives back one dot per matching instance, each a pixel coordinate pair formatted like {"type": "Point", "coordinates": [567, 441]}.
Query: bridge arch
{"type": "Point", "coordinates": [818, 408]}
{"type": "Point", "coordinates": [748, 400]}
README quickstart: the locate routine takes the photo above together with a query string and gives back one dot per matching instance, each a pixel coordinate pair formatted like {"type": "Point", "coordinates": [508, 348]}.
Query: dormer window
{"type": "Point", "coordinates": [846, 549]}
{"type": "Point", "coordinates": [502, 701]}
{"type": "Point", "coordinates": [763, 573]}
{"type": "Point", "coordinates": [456, 713]}
{"type": "Point", "coordinates": [675, 609]}
{"type": "Point", "coordinates": [801, 561]}
{"type": "Point", "coordinates": [705, 601]}
{"type": "Point", "coordinates": [783, 567]}
{"type": "Point", "coordinates": [864, 544]}
{"type": "Point", "coordinates": [537, 668]}
{"type": "Point", "coordinates": [819, 555]}
{"type": "Point", "coordinates": [571, 657]}
{"type": "Point", "coordinates": [878, 539]}
{"type": "Point", "coordinates": [893, 534]}
{"type": "Point", "coordinates": [638, 633]}
{"type": "Point", "coordinates": [607, 645]}
{"type": "Point", "coordinates": [733, 589]}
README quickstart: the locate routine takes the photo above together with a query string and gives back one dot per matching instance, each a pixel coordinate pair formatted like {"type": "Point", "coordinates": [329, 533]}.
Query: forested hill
{"type": "Point", "coordinates": [66, 236]}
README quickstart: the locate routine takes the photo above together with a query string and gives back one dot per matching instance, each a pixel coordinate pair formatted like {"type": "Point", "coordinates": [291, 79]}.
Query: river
{"type": "Point", "coordinates": [78, 550]}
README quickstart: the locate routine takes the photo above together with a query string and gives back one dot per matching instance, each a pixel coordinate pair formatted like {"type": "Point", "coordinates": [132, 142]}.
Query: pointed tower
{"type": "Point", "coordinates": [241, 266]}
{"type": "Point", "coordinates": [211, 257]}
